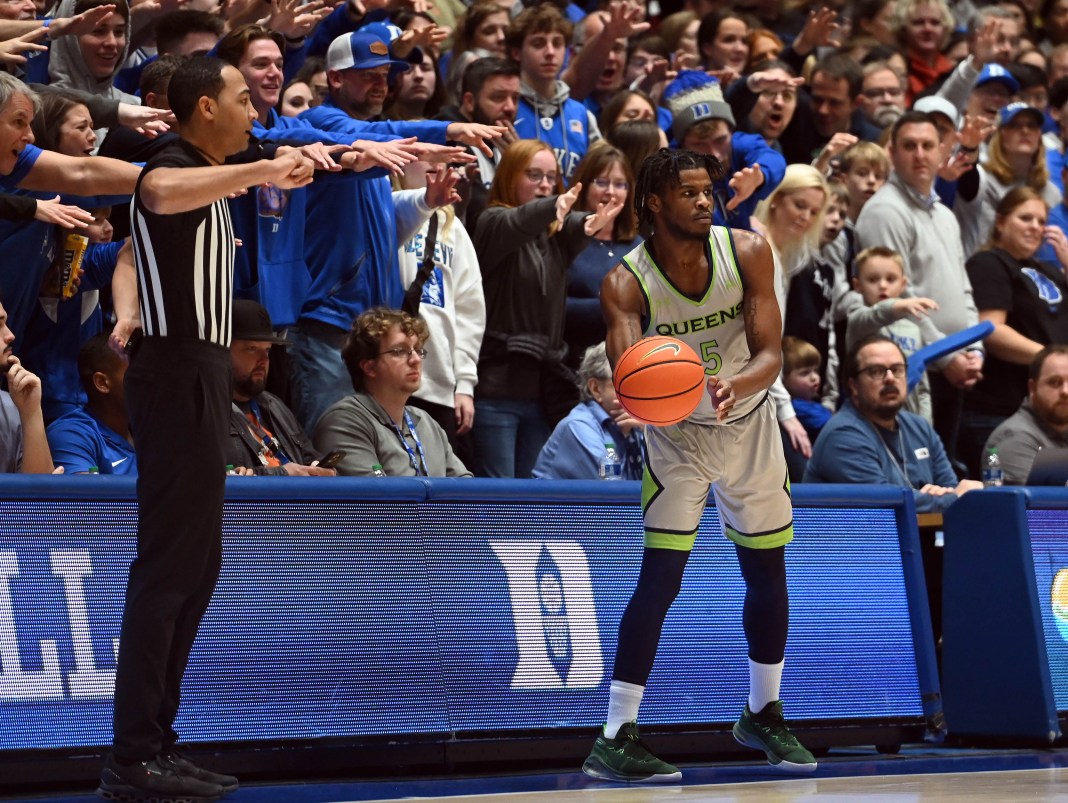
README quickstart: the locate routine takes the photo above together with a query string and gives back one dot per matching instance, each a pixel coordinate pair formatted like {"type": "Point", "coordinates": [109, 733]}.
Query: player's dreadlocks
{"type": "Point", "coordinates": [661, 171]}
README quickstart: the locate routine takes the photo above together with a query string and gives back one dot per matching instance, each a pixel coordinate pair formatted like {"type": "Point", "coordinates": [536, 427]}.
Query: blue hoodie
{"type": "Point", "coordinates": [271, 266]}
{"type": "Point", "coordinates": [747, 150]}
{"type": "Point", "coordinates": [564, 124]}
{"type": "Point", "coordinates": [57, 329]}
{"type": "Point", "coordinates": [351, 236]}
{"type": "Point", "coordinates": [28, 248]}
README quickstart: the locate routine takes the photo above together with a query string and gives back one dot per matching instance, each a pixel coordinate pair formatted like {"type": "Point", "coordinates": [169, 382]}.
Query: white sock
{"type": "Point", "coordinates": [623, 702]}
{"type": "Point", "coordinates": [764, 680]}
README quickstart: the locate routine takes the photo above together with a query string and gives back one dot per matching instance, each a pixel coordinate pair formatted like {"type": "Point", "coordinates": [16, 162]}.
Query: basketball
{"type": "Point", "coordinates": [659, 380]}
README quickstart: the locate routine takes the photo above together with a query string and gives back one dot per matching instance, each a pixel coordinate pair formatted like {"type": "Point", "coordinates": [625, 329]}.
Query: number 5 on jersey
{"type": "Point", "coordinates": [711, 357]}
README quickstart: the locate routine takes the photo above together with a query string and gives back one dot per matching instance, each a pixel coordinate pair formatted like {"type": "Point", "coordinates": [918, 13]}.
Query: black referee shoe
{"type": "Point", "coordinates": [190, 770]}
{"type": "Point", "coordinates": [153, 782]}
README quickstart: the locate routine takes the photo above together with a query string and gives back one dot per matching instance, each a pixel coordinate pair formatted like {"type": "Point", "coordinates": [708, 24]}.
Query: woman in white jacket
{"type": "Point", "coordinates": [454, 308]}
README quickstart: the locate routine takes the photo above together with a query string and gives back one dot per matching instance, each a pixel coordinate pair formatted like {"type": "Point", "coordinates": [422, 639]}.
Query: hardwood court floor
{"type": "Point", "coordinates": [1034, 786]}
{"type": "Point", "coordinates": [916, 776]}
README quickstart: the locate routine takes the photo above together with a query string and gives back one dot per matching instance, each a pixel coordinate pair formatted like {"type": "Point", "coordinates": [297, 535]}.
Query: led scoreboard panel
{"type": "Point", "coordinates": [367, 607]}
{"type": "Point", "coordinates": [1005, 651]}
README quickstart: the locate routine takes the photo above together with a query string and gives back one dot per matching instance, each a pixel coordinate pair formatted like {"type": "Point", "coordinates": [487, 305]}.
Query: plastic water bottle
{"type": "Point", "coordinates": [611, 464]}
{"type": "Point", "coordinates": [993, 476]}
{"type": "Point", "coordinates": [376, 470]}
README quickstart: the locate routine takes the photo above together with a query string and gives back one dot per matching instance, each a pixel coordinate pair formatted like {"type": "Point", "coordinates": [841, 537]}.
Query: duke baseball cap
{"type": "Point", "coordinates": [362, 50]}
{"type": "Point", "coordinates": [995, 73]}
{"type": "Point", "coordinates": [1014, 110]}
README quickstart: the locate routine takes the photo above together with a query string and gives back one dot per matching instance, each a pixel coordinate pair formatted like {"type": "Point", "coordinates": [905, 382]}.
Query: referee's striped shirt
{"type": "Point", "coordinates": [185, 261]}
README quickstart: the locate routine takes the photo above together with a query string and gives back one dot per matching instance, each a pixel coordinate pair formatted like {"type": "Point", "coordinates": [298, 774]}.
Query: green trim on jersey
{"type": "Point", "coordinates": [644, 288]}
{"type": "Point", "coordinates": [732, 254]}
{"type": "Point", "coordinates": [768, 540]}
{"type": "Point", "coordinates": [710, 251]}
{"type": "Point", "coordinates": [661, 539]}
{"type": "Point", "coordinates": [651, 487]}
{"type": "Point", "coordinates": [764, 540]}
{"type": "Point", "coordinates": [679, 543]}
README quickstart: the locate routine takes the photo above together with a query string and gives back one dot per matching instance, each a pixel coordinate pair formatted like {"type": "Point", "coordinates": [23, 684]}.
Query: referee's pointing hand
{"type": "Point", "coordinates": [292, 169]}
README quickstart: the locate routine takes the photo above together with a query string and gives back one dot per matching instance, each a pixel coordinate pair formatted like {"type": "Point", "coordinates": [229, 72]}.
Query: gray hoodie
{"type": "Point", "coordinates": [67, 68]}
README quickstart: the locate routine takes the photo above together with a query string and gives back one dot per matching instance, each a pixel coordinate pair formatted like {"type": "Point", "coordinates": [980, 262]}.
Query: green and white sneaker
{"type": "Point", "coordinates": [767, 731]}
{"type": "Point", "coordinates": [627, 760]}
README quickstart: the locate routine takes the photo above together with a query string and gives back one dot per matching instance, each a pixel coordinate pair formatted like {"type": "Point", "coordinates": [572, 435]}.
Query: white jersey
{"type": "Point", "coordinates": [713, 326]}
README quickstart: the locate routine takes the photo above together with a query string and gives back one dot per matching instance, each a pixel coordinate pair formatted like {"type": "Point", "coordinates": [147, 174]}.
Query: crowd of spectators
{"type": "Point", "coordinates": [905, 159]}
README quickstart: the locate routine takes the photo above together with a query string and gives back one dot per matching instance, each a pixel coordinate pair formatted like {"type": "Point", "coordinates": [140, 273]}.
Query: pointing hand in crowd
{"type": "Point", "coordinates": [744, 183]}
{"type": "Point", "coordinates": [55, 211]}
{"type": "Point", "coordinates": [440, 154]}
{"type": "Point", "coordinates": [441, 186]}
{"type": "Point", "coordinates": [79, 24]}
{"type": "Point", "coordinates": [475, 134]}
{"type": "Point", "coordinates": [11, 50]}
{"type": "Point", "coordinates": [295, 19]}
{"type": "Point", "coordinates": [604, 216]}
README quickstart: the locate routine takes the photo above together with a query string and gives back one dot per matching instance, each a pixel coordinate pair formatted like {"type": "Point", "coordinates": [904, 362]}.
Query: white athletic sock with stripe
{"type": "Point", "coordinates": [764, 680]}
{"type": "Point", "coordinates": [623, 702]}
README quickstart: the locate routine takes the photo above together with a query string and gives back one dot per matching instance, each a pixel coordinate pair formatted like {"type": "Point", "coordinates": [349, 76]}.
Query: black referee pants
{"type": "Point", "coordinates": [178, 394]}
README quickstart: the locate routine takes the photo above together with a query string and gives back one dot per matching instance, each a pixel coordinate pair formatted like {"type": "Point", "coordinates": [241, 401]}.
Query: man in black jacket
{"type": "Point", "coordinates": [264, 435]}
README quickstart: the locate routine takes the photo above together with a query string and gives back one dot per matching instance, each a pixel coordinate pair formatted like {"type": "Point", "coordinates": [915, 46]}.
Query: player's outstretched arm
{"type": "Point", "coordinates": [760, 309]}
{"type": "Point", "coordinates": [622, 307]}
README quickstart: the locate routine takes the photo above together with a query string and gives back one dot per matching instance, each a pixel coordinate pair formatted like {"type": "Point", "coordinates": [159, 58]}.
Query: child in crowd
{"type": "Point", "coordinates": [61, 324]}
{"type": "Point", "coordinates": [880, 280]}
{"type": "Point", "coordinates": [834, 218]}
{"type": "Point", "coordinates": [862, 169]}
{"type": "Point", "coordinates": [801, 376]}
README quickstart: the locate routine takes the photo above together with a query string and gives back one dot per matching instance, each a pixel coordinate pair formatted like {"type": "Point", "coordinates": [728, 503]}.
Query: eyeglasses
{"type": "Point", "coordinates": [403, 353]}
{"type": "Point", "coordinates": [876, 372]}
{"type": "Point", "coordinates": [788, 95]}
{"type": "Point", "coordinates": [538, 176]}
{"type": "Point", "coordinates": [875, 92]}
{"type": "Point", "coordinates": [604, 184]}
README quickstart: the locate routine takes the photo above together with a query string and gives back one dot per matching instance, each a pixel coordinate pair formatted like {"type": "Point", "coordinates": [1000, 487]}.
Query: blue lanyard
{"type": "Point", "coordinates": [269, 443]}
{"type": "Point", "coordinates": [420, 464]}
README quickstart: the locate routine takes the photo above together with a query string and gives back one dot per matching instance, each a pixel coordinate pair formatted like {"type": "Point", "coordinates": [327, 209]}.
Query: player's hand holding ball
{"type": "Point", "coordinates": [659, 380]}
{"type": "Point", "coordinates": [722, 392]}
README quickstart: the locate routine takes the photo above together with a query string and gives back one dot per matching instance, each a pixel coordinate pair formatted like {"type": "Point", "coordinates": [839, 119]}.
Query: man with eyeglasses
{"type": "Point", "coordinates": [882, 94]}
{"type": "Point", "coordinates": [375, 427]}
{"type": "Point", "coordinates": [872, 440]}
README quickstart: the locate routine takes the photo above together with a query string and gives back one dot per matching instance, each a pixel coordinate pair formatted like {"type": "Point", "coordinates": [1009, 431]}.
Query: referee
{"type": "Point", "coordinates": [178, 389]}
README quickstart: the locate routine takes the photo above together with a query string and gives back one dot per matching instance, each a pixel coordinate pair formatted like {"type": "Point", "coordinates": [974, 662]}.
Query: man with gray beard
{"type": "Point", "coordinates": [882, 94]}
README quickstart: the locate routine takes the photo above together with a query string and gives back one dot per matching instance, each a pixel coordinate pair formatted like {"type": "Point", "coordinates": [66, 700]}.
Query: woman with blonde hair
{"type": "Point", "coordinates": [525, 240]}
{"type": "Point", "coordinates": [791, 219]}
{"type": "Point", "coordinates": [1016, 158]}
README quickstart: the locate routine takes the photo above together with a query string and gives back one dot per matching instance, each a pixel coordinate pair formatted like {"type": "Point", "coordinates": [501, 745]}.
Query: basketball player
{"type": "Point", "coordinates": [712, 288]}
